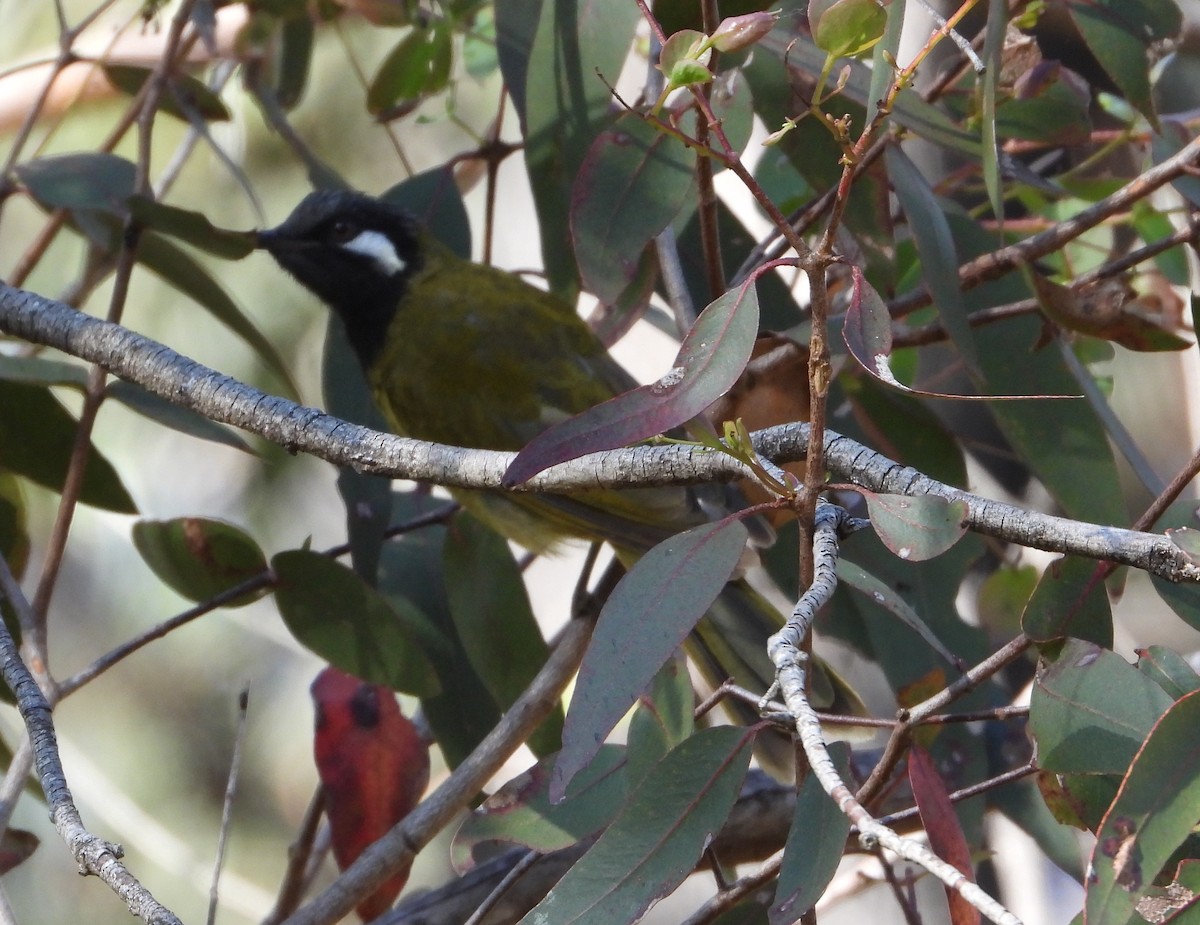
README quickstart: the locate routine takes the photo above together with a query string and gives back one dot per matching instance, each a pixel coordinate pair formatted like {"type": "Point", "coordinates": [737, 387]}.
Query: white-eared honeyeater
{"type": "Point", "coordinates": [460, 353]}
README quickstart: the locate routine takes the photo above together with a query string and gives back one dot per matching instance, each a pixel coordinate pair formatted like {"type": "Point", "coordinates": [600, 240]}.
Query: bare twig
{"type": "Point", "coordinates": [93, 854]}
{"type": "Point", "coordinates": [235, 764]}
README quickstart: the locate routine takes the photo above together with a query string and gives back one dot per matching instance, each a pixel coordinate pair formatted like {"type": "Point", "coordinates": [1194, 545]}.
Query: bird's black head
{"type": "Point", "coordinates": [356, 254]}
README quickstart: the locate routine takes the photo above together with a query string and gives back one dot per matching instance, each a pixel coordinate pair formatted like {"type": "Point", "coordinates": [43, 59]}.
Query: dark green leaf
{"type": "Point", "coordinates": [410, 568]}
{"type": "Point", "coordinates": [630, 186]}
{"type": "Point", "coordinates": [1091, 710]}
{"type": "Point", "coordinates": [183, 96]}
{"type": "Point", "coordinates": [935, 244]}
{"type": "Point", "coordinates": [192, 227]}
{"type": "Point", "coordinates": [710, 359]}
{"type": "Point", "coordinates": [1058, 116]}
{"type": "Point", "coordinates": [14, 535]}
{"type": "Point", "coordinates": [492, 615]}
{"type": "Point", "coordinates": [655, 842]}
{"type": "Point", "coordinates": [814, 848]}
{"type": "Point", "coordinates": [642, 624]}
{"type": "Point", "coordinates": [890, 600]}
{"type": "Point", "coordinates": [295, 60]}
{"type": "Point", "coordinates": [1154, 812]}
{"type": "Point", "coordinates": [36, 436]}
{"type": "Point", "coordinates": [1183, 597]}
{"type": "Point", "coordinates": [345, 621]}
{"type": "Point", "coordinates": [1070, 600]}
{"type": "Point", "coordinates": [200, 558]}
{"type": "Point", "coordinates": [417, 67]}
{"type": "Point", "coordinates": [663, 719]}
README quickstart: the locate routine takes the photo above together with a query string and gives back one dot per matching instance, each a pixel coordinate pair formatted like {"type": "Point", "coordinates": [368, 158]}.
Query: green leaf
{"type": "Point", "coordinates": [632, 183]}
{"type": "Point", "coordinates": [935, 245]}
{"type": "Point", "coordinates": [1091, 710]}
{"type": "Point", "coordinates": [295, 60]}
{"type": "Point", "coordinates": [410, 569]}
{"type": "Point", "coordinates": [1181, 597]}
{"type": "Point", "coordinates": [183, 97]}
{"type": "Point", "coordinates": [492, 615]}
{"type": "Point", "coordinates": [1153, 814]}
{"type": "Point", "coordinates": [655, 842]}
{"type": "Point", "coordinates": [663, 719]}
{"type": "Point", "coordinates": [192, 227]}
{"type": "Point", "coordinates": [889, 599]}
{"type": "Point", "coordinates": [578, 46]}
{"type": "Point", "coordinates": [642, 624]}
{"type": "Point", "coordinates": [14, 532]}
{"type": "Point", "coordinates": [177, 268]}
{"type": "Point", "coordinates": [1070, 600]}
{"type": "Point", "coordinates": [1169, 670]}
{"type": "Point", "coordinates": [815, 844]}
{"type": "Point", "coordinates": [345, 621]}
{"type": "Point", "coordinates": [846, 28]}
{"type": "Point", "coordinates": [417, 67]}
{"type": "Point", "coordinates": [710, 359]}
{"type": "Point", "coordinates": [521, 812]}
{"type": "Point", "coordinates": [1118, 33]}
{"type": "Point", "coordinates": [916, 528]}
{"type": "Point", "coordinates": [92, 182]}
{"type": "Point", "coordinates": [200, 558]}
{"type": "Point", "coordinates": [184, 420]}
{"type": "Point", "coordinates": [36, 436]}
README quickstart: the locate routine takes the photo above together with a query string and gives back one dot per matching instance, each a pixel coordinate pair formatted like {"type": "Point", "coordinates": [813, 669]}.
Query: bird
{"type": "Point", "coordinates": [461, 353]}
{"type": "Point", "coordinates": [373, 764]}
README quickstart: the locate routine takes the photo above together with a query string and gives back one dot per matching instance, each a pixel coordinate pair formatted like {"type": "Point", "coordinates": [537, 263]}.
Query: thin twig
{"type": "Point", "coordinates": [231, 784]}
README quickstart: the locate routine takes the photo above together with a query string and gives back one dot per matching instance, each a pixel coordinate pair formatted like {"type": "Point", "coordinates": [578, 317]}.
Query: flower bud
{"type": "Point", "coordinates": [738, 32]}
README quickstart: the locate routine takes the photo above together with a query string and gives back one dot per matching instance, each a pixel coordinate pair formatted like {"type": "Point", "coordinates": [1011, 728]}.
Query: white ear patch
{"type": "Point", "coordinates": [379, 249]}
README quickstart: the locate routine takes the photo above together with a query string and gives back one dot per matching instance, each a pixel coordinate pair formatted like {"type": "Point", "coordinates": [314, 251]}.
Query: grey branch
{"type": "Point", "coordinates": [93, 854]}
{"type": "Point", "coordinates": [791, 663]}
{"type": "Point", "coordinates": [185, 382]}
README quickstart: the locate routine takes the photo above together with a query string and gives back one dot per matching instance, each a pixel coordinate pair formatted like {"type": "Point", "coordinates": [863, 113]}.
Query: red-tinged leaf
{"type": "Point", "coordinates": [916, 528]}
{"type": "Point", "coordinates": [521, 813]}
{"type": "Point", "coordinates": [868, 329]}
{"type": "Point", "coordinates": [1154, 812]}
{"type": "Point", "coordinates": [1070, 600]}
{"type": "Point", "coordinates": [710, 359]}
{"type": "Point", "coordinates": [1091, 710]}
{"type": "Point", "coordinates": [16, 847]}
{"type": "Point", "coordinates": [632, 183]}
{"type": "Point", "coordinates": [941, 825]}
{"type": "Point", "coordinates": [644, 621]}
{"type": "Point", "coordinates": [374, 767]}
{"type": "Point", "coordinates": [660, 835]}
{"type": "Point", "coordinates": [199, 557]}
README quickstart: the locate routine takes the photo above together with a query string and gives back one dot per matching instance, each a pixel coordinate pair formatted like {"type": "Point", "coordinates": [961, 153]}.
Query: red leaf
{"type": "Point", "coordinates": [374, 767]}
{"type": "Point", "coordinates": [941, 824]}
{"type": "Point", "coordinates": [710, 359]}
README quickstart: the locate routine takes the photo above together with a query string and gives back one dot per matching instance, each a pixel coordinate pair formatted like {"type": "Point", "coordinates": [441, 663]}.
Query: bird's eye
{"type": "Point", "coordinates": [343, 231]}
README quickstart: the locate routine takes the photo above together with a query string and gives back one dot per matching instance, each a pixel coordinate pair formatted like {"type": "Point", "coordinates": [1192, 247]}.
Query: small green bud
{"type": "Point", "coordinates": [738, 32]}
